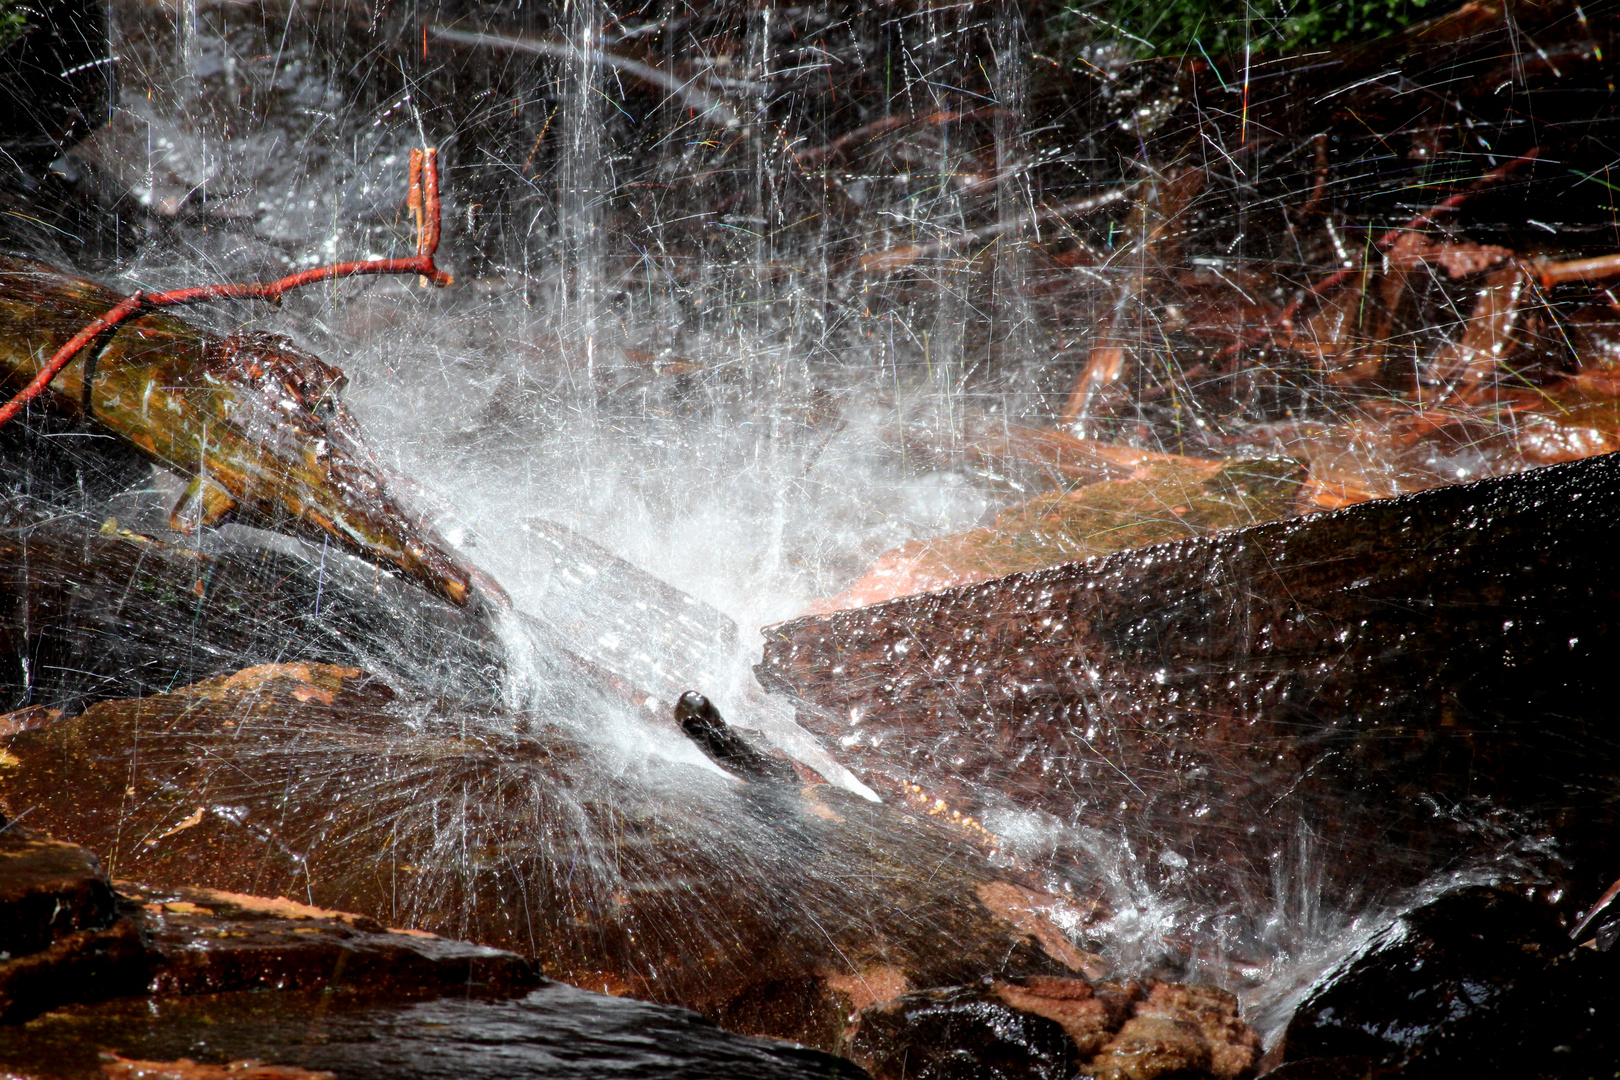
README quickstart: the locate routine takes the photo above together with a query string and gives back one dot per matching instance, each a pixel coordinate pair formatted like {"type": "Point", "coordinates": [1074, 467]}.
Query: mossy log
{"type": "Point", "coordinates": [255, 424]}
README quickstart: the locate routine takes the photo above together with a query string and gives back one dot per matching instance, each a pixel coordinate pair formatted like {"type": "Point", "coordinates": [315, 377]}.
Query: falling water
{"type": "Point", "coordinates": [656, 341]}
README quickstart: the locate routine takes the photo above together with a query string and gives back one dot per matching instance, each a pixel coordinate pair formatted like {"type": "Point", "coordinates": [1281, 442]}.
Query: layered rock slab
{"type": "Point", "coordinates": [1367, 675]}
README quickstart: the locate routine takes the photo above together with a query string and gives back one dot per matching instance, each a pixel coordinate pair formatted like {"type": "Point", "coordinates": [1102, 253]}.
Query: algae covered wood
{"type": "Point", "coordinates": [1360, 675]}
{"type": "Point", "coordinates": [761, 905]}
{"type": "Point", "coordinates": [1165, 498]}
{"type": "Point", "coordinates": [257, 425]}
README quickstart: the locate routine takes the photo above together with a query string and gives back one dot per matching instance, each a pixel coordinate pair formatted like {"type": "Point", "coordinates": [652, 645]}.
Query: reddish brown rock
{"type": "Point", "coordinates": [74, 940]}
{"type": "Point", "coordinates": [48, 890]}
{"type": "Point", "coordinates": [61, 935]}
{"type": "Point", "coordinates": [201, 941]}
{"type": "Point", "coordinates": [121, 1068]}
{"type": "Point", "coordinates": [1201, 1014]}
{"type": "Point", "coordinates": [752, 903]}
{"type": "Point", "coordinates": [1352, 670]}
{"type": "Point", "coordinates": [86, 965]}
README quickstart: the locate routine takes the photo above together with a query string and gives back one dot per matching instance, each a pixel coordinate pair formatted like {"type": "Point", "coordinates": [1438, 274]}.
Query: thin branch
{"type": "Point", "coordinates": [1603, 266]}
{"type": "Point", "coordinates": [423, 201]}
{"type": "Point", "coordinates": [886, 262]}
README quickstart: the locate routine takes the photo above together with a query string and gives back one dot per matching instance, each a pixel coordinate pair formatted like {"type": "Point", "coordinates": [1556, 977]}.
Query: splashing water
{"type": "Point", "coordinates": [666, 403]}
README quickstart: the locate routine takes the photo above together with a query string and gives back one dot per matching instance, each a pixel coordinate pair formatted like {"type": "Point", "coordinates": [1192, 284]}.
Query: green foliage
{"type": "Point", "coordinates": [1228, 26]}
{"type": "Point", "coordinates": [12, 22]}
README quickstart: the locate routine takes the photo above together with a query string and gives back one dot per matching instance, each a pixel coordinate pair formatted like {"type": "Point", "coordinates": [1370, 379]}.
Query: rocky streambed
{"type": "Point", "coordinates": [1120, 759]}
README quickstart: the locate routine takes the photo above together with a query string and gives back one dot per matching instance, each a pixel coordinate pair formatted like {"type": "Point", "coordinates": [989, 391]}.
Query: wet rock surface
{"type": "Point", "coordinates": [197, 984]}
{"type": "Point", "coordinates": [121, 1068]}
{"type": "Point", "coordinates": [201, 941]}
{"type": "Point", "coordinates": [58, 79]}
{"type": "Point", "coordinates": [1481, 982]}
{"type": "Point", "coordinates": [60, 83]}
{"type": "Point", "coordinates": [89, 610]}
{"type": "Point", "coordinates": [48, 890]}
{"type": "Point", "coordinates": [961, 1032]}
{"type": "Point", "coordinates": [62, 934]}
{"type": "Point", "coordinates": [324, 783]}
{"type": "Point", "coordinates": [555, 1031]}
{"type": "Point", "coordinates": [1362, 670]}
{"type": "Point", "coordinates": [71, 937]}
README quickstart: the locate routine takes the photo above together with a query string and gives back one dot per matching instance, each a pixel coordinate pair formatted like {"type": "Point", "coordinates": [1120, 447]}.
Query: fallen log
{"type": "Point", "coordinates": [1374, 683]}
{"type": "Point", "coordinates": [255, 424]}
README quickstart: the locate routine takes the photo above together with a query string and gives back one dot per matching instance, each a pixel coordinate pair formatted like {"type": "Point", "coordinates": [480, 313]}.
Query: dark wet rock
{"type": "Point", "coordinates": [87, 965]}
{"type": "Point", "coordinates": [1362, 670]}
{"type": "Point", "coordinates": [48, 890]}
{"type": "Point", "coordinates": [87, 614]}
{"type": "Point", "coordinates": [196, 984]}
{"type": "Point", "coordinates": [325, 784]}
{"type": "Point", "coordinates": [59, 83]}
{"type": "Point", "coordinates": [1043, 1028]}
{"type": "Point", "coordinates": [201, 941]}
{"type": "Point", "coordinates": [69, 938]}
{"type": "Point", "coordinates": [1454, 956]}
{"type": "Point", "coordinates": [1341, 1068]}
{"type": "Point", "coordinates": [78, 209]}
{"type": "Point", "coordinates": [63, 937]}
{"type": "Point", "coordinates": [960, 1033]}
{"type": "Point", "coordinates": [552, 1033]}
{"type": "Point", "coordinates": [52, 466]}
{"type": "Point", "coordinates": [1480, 982]}
{"type": "Point", "coordinates": [57, 79]}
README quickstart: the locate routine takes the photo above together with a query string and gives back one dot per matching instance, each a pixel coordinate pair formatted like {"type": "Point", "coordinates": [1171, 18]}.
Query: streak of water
{"type": "Point", "coordinates": [659, 355]}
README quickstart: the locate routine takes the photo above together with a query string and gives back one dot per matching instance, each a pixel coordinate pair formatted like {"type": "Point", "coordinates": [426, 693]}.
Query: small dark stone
{"type": "Point", "coordinates": [961, 1033]}
{"type": "Point", "coordinates": [705, 726]}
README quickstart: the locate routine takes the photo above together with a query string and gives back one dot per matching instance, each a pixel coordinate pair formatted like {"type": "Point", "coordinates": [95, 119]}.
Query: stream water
{"type": "Point", "coordinates": [659, 339]}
